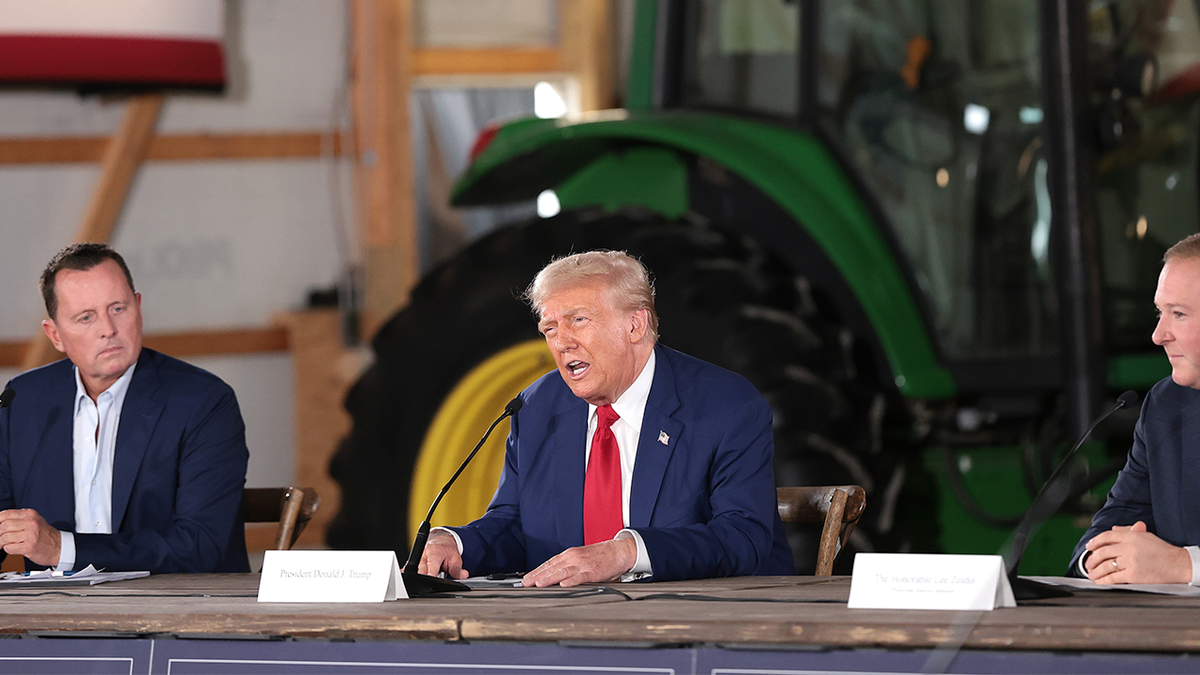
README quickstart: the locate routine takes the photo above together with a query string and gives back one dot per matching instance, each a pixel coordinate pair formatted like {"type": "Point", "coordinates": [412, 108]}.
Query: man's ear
{"type": "Point", "coordinates": [51, 330]}
{"type": "Point", "coordinates": [639, 324]}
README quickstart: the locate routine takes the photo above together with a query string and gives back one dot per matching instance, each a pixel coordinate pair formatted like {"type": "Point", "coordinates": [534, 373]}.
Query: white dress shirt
{"type": "Point", "coordinates": [95, 440]}
{"type": "Point", "coordinates": [630, 406]}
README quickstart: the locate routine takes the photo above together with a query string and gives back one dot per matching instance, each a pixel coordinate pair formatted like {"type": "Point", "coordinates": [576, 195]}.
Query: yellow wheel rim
{"type": "Point", "coordinates": [471, 406]}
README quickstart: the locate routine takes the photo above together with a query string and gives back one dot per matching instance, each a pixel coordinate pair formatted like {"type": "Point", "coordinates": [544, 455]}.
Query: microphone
{"type": "Point", "coordinates": [1044, 505]}
{"type": "Point", "coordinates": [6, 397]}
{"type": "Point", "coordinates": [418, 584]}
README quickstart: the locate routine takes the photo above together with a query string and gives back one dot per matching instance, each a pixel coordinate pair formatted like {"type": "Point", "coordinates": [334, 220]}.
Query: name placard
{"type": "Point", "coordinates": [929, 581]}
{"type": "Point", "coordinates": [330, 576]}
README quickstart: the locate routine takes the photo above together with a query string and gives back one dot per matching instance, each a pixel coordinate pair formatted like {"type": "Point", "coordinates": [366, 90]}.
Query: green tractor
{"type": "Point", "coordinates": [927, 230]}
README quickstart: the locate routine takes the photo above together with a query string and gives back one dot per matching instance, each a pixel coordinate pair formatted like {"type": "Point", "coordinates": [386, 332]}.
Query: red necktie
{"type": "Point", "coordinates": [602, 517]}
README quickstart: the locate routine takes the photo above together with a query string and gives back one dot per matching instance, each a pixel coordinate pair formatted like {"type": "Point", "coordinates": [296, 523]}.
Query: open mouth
{"type": "Point", "coordinates": [577, 368]}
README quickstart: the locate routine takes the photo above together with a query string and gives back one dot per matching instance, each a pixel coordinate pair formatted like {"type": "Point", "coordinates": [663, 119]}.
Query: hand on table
{"type": "Point", "coordinates": [441, 555]}
{"type": "Point", "coordinates": [1132, 555]}
{"type": "Point", "coordinates": [604, 561]}
{"type": "Point", "coordinates": [24, 532]}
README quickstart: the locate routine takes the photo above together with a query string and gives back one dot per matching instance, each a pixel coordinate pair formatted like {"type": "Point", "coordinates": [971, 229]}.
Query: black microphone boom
{"type": "Point", "coordinates": [1045, 504]}
{"type": "Point", "coordinates": [418, 584]}
{"type": "Point", "coordinates": [6, 397]}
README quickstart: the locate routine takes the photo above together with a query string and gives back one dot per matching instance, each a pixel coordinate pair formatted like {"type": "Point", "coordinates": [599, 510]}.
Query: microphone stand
{"type": "Point", "coordinates": [1044, 505]}
{"type": "Point", "coordinates": [417, 584]}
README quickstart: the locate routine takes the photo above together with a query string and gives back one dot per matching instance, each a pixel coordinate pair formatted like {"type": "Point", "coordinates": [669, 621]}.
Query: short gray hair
{"type": "Point", "coordinates": [626, 278]}
{"type": "Point", "coordinates": [1187, 249]}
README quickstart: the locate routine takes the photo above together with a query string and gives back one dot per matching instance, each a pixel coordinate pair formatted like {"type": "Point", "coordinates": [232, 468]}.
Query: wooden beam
{"type": "Point", "coordinates": [12, 354]}
{"type": "Point", "coordinates": [246, 146]}
{"type": "Point", "coordinates": [120, 163]}
{"type": "Point", "coordinates": [184, 344]}
{"type": "Point", "coordinates": [501, 61]}
{"type": "Point", "coordinates": [587, 45]}
{"type": "Point", "coordinates": [180, 147]}
{"type": "Point", "coordinates": [323, 370]}
{"type": "Point", "coordinates": [220, 342]}
{"type": "Point", "coordinates": [381, 82]}
{"type": "Point", "coordinates": [118, 167]}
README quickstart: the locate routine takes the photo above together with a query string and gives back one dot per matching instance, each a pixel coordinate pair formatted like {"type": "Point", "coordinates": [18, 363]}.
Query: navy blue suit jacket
{"type": "Point", "coordinates": [1160, 483]}
{"type": "Point", "coordinates": [179, 467]}
{"type": "Point", "coordinates": [703, 501]}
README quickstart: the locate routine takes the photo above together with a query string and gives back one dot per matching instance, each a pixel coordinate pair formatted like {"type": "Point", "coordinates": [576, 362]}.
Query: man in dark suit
{"type": "Point", "coordinates": [118, 456]}
{"type": "Point", "coordinates": [630, 461]}
{"type": "Point", "coordinates": [1148, 530]}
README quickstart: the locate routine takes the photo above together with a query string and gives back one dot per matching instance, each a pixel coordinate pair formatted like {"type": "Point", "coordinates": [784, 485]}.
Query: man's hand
{"type": "Point", "coordinates": [604, 561]}
{"type": "Point", "coordinates": [25, 532]}
{"type": "Point", "coordinates": [441, 555]}
{"type": "Point", "coordinates": [1131, 555]}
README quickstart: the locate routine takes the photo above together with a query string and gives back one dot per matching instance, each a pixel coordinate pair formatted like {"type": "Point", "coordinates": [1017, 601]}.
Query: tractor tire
{"type": "Point", "coordinates": [720, 298]}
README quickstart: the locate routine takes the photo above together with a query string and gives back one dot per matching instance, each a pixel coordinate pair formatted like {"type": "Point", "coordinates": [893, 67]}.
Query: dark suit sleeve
{"type": "Point", "coordinates": [739, 535]}
{"type": "Point", "coordinates": [6, 493]}
{"type": "Point", "coordinates": [1129, 499]}
{"type": "Point", "coordinates": [199, 480]}
{"type": "Point", "coordinates": [493, 542]}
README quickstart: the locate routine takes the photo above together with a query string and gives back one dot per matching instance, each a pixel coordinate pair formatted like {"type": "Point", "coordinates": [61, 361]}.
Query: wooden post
{"type": "Point", "coordinates": [323, 371]}
{"type": "Point", "coordinates": [586, 41]}
{"type": "Point", "coordinates": [381, 82]}
{"type": "Point", "coordinates": [121, 160]}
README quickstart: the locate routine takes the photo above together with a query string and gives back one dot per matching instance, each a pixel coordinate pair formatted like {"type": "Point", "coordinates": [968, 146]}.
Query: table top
{"type": "Point", "coordinates": [759, 611]}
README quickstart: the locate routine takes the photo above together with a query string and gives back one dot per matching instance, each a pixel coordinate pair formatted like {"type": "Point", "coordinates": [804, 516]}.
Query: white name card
{"type": "Point", "coordinates": [929, 581]}
{"type": "Point", "coordinates": [330, 576]}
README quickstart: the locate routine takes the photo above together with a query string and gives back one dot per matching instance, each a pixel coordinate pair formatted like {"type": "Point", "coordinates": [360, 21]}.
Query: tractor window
{"type": "Point", "coordinates": [742, 55]}
{"type": "Point", "coordinates": [937, 106]}
{"type": "Point", "coordinates": [1147, 98]}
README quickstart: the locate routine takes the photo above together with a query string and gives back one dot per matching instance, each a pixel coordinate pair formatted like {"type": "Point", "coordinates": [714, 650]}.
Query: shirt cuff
{"type": "Point", "coordinates": [457, 539]}
{"type": "Point", "coordinates": [1194, 552]}
{"type": "Point", "coordinates": [66, 552]}
{"type": "Point", "coordinates": [1080, 565]}
{"type": "Point", "coordinates": [641, 568]}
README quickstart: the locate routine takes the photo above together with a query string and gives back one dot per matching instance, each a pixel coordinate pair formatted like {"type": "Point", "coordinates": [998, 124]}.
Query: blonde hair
{"type": "Point", "coordinates": [627, 280]}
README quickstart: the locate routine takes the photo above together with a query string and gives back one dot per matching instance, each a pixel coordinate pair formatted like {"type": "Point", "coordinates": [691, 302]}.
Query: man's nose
{"type": "Point", "coordinates": [107, 325]}
{"type": "Point", "coordinates": [1161, 334]}
{"type": "Point", "coordinates": [563, 340]}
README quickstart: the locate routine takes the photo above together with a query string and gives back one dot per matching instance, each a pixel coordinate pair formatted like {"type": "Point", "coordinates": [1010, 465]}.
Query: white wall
{"type": "Point", "coordinates": [211, 245]}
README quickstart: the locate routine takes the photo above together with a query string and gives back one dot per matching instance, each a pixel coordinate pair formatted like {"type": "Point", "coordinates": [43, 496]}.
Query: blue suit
{"type": "Point", "coordinates": [703, 494]}
{"type": "Point", "coordinates": [179, 467]}
{"type": "Point", "coordinates": [1160, 483]}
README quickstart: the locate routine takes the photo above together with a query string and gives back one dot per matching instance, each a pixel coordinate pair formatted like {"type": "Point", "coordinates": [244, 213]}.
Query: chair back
{"type": "Point", "coordinates": [836, 507]}
{"type": "Point", "coordinates": [291, 507]}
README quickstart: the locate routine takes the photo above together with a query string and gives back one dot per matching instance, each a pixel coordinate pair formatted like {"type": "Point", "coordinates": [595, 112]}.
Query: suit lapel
{"type": "Point", "coordinates": [139, 415]}
{"type": "Point", "coordinates": [49, 472]}
{"type": "Point", "coordinates": [567, 467]}
{"type": "Point", "coordinates": [659, 435]}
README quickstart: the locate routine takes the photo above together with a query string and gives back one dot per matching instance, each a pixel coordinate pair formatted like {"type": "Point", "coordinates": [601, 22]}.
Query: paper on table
{"type": "Point", "coordinates": [88, 576]}
{"type": "Point", "coordinates": [1160, 589]}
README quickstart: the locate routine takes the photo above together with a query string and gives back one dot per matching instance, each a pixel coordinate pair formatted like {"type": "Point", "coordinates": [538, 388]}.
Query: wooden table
{"type": "Point", "coordinates": [758, 621]}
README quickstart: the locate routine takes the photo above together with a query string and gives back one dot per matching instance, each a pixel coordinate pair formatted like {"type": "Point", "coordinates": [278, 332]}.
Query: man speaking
{"type": "Point", "coordinates": [632, 461]}
{"type": "Point", "coordinates": [118, 456]}
{"type": "Point", "coordinates": [1148, 530]}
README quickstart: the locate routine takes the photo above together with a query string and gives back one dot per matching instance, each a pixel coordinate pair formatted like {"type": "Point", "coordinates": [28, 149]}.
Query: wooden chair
{"type": "Point", "coordinates": [836, 507]}
{"type": "Point", "coordinates": [291, 507]}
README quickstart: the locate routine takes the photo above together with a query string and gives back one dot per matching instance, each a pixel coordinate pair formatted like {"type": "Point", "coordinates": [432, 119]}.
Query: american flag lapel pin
{"type": "Point", "coordinates": [663, 437]}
